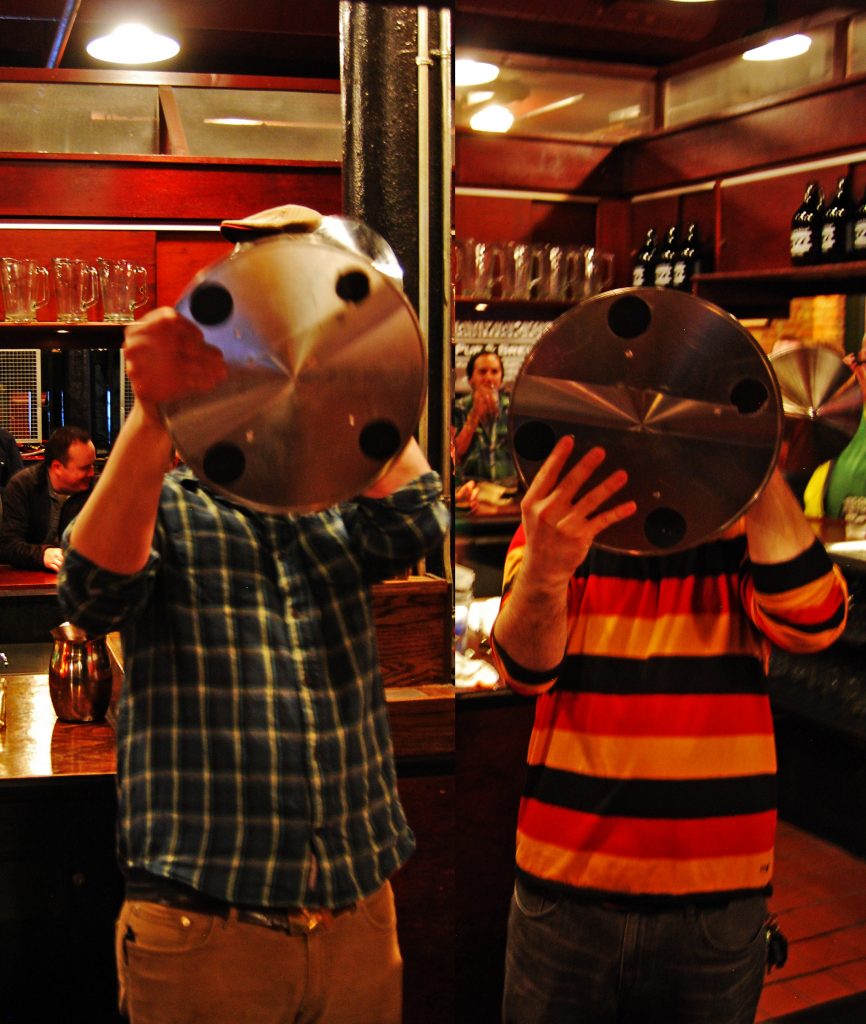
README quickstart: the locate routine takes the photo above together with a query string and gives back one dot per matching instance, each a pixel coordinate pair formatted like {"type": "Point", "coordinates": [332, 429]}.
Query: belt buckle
{"type": "Point", "coordinates": [293, 922]}
{"type": "Point", "coordinates": [313, 919]}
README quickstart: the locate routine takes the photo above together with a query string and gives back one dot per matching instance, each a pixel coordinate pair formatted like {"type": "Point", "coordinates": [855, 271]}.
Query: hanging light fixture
{"type": "Point", "coordinates": [133, 43]}
{"type": "Point", "coordinates": [780, 49]}
{"type": "Point", "coordinates": [474, 72]}
{"type": "Point", "coordinates": [493, 118]}
{"type": "Point", "coordinates": [777, 47]}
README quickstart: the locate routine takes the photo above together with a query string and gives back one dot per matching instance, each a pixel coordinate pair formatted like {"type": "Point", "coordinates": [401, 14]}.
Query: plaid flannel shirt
{"type": "Point", "coordinates": [254, 752]}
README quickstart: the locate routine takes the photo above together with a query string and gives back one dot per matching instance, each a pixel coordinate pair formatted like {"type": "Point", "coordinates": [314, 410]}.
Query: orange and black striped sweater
{"type": "Point", "coordinates": [651, 766]}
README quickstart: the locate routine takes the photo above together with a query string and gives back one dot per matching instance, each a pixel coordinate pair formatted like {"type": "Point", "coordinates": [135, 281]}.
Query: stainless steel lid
{"type": "Point", "coordinates": [326, 375]}
{"type": "Point", "coordinates": [675, 390]}
{"type": "Point", "coordinates": [821, 401]}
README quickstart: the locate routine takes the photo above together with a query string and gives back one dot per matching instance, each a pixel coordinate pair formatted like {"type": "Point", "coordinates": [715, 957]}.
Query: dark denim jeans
{"type": "Point", "coordinates": [570, 962]}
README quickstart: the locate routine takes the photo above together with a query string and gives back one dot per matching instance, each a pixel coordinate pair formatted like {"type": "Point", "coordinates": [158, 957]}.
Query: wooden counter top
{"type": "Point", "coordinates": [20, 582]}
{"type": "Point", "coordinates": [35, 744]}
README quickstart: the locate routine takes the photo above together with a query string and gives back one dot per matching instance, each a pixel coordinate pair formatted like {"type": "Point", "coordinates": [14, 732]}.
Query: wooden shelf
{"type": "Point", "coordinates": [509, 309]}
{"type": "Point", "coordinates": [57, 335]}
{"type": "Point", "coordinates": [768, 293]}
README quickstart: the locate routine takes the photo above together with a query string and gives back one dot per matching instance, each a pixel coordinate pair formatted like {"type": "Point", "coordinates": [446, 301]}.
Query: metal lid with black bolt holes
{"type": "Point", "coordinates": [822, 404]}
{"type": "Point", "coordinates": [676, 391]}
{"type": "Point", "coordinates": [326, 374]}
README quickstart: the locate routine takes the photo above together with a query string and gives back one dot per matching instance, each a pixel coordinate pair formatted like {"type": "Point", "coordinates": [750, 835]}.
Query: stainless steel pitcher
{"type": "Point", "coordinates": [79, 675]}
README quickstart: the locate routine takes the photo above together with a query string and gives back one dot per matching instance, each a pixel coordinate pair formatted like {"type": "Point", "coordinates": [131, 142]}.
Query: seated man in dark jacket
{"type": "Point", "coordinates": [39, 502]}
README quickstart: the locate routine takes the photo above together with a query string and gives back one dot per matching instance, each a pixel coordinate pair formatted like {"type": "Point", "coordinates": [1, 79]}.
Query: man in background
{"type": "Point", "coordinates": [481, 449]}
{"type": "Point", "coordinates": [41, 500]}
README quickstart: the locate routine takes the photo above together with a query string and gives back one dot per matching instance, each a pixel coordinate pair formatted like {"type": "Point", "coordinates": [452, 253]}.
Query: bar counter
{"type": "Point", "coordinates": [28, 605]}
{"type": "Point", "coordinates": [37, 745]}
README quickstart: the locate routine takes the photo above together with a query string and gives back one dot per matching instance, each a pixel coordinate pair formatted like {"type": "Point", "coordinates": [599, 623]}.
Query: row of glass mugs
{"type": "Point", "coordinates": [78, 285]}
{"type": "Point", "coordinates": [527, 270]}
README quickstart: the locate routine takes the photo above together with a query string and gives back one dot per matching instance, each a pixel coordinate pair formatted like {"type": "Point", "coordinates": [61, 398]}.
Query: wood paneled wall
{"type": "Point", "coordinates": [803, 126]}
{"type": "Point", "coordinates": [103, 191]}
{"type": "Point", "coordinates": [530, 219]}
{"type": "Point", "coordinates": [497, 161]}
{"type": "Point", "coordinates": [740, 177]}
{"type": "Point", "coordinates": [160, 188]}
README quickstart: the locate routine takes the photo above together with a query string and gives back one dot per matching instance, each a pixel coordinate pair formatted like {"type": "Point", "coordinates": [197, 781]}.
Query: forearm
{"type": "Point", "coordinates": [114, 530]}
{"type": "Point", "coordinates": [464, 437]}
{"type": "Point", "coordinates": [22, 554]}
{"type": "Point", "coordinates": [776, 526]}
{"type": "Point", "coordinates": [532, 626]}
{"type": "Point", "coordinates": [15, 547]}
{"type": "Point", "coordinates": [408, 466]}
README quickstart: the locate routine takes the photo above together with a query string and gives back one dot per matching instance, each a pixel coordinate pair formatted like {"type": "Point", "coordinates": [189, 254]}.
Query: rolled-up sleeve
{"type": "Point", "coordinates": [390, 534]}
{"type": "Point", "coordinates": [800, 605]}
{"type": "Point", "coordinates": [99, 601]}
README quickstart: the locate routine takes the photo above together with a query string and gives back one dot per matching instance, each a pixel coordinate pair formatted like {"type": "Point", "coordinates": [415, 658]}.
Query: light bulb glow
{"type": "Point", "coordinates": [474, 72]}
{"type": "Point", "coordinates": [780, 49]}
{"type": "Point", "coordinates": [492, 119]}
{"type": "Point", "coordinates": [133, 43]}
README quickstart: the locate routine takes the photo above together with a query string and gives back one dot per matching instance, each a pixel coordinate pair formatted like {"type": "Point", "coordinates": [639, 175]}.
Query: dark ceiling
{"type": "Point", "coordinates": [300, 37]}
{"type": "Point", "coordinates": [653, 33]}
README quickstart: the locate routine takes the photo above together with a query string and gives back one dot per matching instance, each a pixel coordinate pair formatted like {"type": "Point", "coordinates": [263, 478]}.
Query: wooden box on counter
{"type": "Point", "coordinates": [413, 630]}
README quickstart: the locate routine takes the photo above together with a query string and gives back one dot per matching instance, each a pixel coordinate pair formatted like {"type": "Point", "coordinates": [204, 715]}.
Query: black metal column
{"type": "Point", "coordinates": [383, 178]}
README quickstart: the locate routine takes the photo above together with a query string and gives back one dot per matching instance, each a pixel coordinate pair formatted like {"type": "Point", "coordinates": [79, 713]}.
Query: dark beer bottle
{"type": "Point", "coordinates": [806, 226]}
{"type": "Point", "coordinates": [858, 231]}
{"type": "Point", "coordinates": [664, 268]}
{"type": "Point", "coordinates": [689, 259]}
{"type": "Point", "coordinates": [838, 227]}
{"type": "Point", "coordinates": [642, 268]}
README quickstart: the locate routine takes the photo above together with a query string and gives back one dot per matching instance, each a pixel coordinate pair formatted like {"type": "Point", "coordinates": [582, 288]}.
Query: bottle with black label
{"type": "Point", "coordinates": [644, 263]}
{"type": "Point", "coordinates": [858, 231]}
{"type": "Point", "coordinates": [664, 269]}
{"type": "Point", "coordinates": [689, 259]}
{"type": "Point", "coordinates": [806, 226]}
{"type": "Point", "coordinates": [838, 227]}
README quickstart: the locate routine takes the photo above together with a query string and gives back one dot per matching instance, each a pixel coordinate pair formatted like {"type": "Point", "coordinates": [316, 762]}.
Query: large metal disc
{"type": "Point", "coordinates": [326, 375]}
{"type": "Point", "coordinates": [821, 401]}
{"type": "Point", "coordinates": [675, 390]}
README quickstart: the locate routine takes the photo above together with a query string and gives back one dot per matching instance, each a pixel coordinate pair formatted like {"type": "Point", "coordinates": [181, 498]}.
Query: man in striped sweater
{"type": "Point", "coordinates": [646, 829]}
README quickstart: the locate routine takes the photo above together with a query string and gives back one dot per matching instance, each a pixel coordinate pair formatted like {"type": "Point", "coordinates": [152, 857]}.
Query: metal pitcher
{"type": "Point", "coordinates": [79, 675]}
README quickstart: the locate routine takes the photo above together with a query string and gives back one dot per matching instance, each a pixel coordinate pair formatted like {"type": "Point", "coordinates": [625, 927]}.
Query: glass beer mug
{"type": "Point", "coordinates": [25, 289]}
{"type": "Point", "coordinates": [124, 289]}
{"type": "Point", "coordinates": [75, 287]}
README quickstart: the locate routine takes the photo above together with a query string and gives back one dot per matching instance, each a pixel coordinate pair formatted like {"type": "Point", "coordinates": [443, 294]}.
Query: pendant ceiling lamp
{"type": "Point", "coordinates": [778, 46]}
{"type": "Point", "coordinates": [133, 43]}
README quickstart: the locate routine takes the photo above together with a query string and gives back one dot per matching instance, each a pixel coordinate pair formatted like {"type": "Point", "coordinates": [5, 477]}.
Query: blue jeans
{"type": "Point", "coordinates": [570, 962]}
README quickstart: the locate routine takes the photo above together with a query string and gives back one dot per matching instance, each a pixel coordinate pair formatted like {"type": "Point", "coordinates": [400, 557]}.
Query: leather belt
{"type": "Point", "coordinates": [292, 920]}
